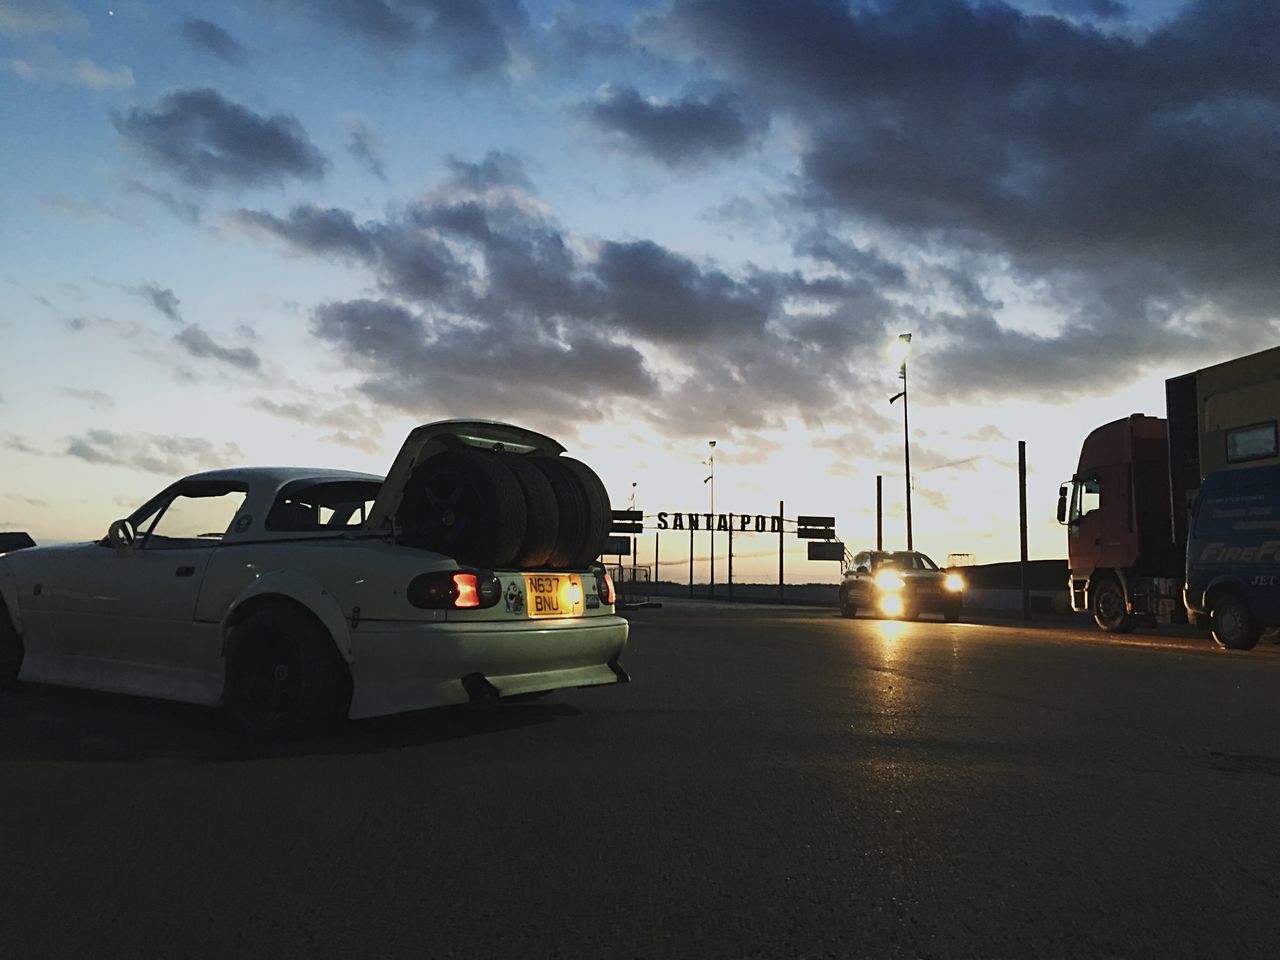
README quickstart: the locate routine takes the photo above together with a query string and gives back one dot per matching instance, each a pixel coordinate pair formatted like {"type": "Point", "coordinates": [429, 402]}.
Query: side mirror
{"type": "Point", "coordinates": [122, 535]}
{"type": "Point", "coordinates": [1062, 504]}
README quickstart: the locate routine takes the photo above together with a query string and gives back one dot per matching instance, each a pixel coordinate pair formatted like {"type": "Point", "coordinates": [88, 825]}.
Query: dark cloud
{"type": "Point", "coordinates": [184, 210]}
{"type": "Point", "coordinates": [473, 38]}
{"type": "Point", "coordinates": [352, 424]}
{"type": "Point", "coordinates": [199, 344]}
{"type": "Point", "coordinates": [162, 298]}
{"type": "Point", "coordinates": [170, 456]}
{"type": "Point", "coordinates": [680, 134]}
{"type": "Point", "coordinates": [363, 144]}
{"type": "Point", "coordinates": [212, 39]}
{"type": "Point", "coordinates": [487, 303]}
{"type": "Point", "coordinates": [209, 141]}
{"type": "Point", "coordinates": [1118, 181]}
{"type": "Point", "coordinates": [1098, 9]}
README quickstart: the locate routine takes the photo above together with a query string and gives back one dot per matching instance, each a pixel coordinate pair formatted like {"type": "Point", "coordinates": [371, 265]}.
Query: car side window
{"type": "Point", "coordinates": [194, 519]}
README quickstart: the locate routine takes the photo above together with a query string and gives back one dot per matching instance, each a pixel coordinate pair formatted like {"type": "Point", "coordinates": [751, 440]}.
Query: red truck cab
{"type": "Point", "coordinates": [1120, 549]}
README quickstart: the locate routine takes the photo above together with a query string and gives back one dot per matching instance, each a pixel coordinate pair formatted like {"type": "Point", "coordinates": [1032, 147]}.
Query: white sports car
{"type": "Point", "coordinates": [295, 596]}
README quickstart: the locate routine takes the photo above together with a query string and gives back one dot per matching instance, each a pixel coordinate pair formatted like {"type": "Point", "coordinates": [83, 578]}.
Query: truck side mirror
{"type": "Point", "coordinates": [1062, 504]}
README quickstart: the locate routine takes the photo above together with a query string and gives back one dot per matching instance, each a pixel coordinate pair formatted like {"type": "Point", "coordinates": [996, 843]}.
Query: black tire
{"type": "Point", "coordinates": [1232, 625]}
{"type": "Point", "coordinates": [285, 677]}
{"type": "Point", "coordinates": [599, 513]}
{"type": "Point", "coordinates": [11, 651]}
{"type": "Point", "coordinates": [466, 504]}
{"type": "Point", "coordinates": [1106, 603]}
{"type": "Point", "coordinates": [542, 515]}
{"type": "Point", "coordinates": [575, 521]}
{"type": "Point", "coordinates": [847, 609]}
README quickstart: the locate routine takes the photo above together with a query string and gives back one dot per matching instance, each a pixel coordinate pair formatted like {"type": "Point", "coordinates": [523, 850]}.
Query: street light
{"type": "Point", "coordinates": [711, 529]}
{"type": "Point", "coordinates": [898, 349]}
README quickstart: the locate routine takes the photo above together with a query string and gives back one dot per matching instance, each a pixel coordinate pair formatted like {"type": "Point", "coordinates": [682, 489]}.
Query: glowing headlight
{"type": "Point", "coordinates": [955, 583]}
{"type": "Point", "coordinates": [888, 580]}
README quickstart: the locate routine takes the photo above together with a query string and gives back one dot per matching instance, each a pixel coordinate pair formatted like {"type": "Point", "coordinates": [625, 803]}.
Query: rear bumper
{"type": "Point", "coordinates": [399, 666]}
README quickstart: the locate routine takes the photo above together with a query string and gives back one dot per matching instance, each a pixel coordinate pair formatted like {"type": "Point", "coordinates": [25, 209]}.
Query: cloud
{"type": "Point", "coordinates": [1111, 181]}
{"type": "Point", "coordinates": [167, 455]}
{"type": "Point", "coordinates": [97, 399]}
{"type": "Point", "coordinates": [162, 298]}
{"type": "Point", "coordinates": [27, 501]}
{"type": "Point", "coordinates": [353, 424]}
{"type": "Point", "coordinates": [184, 210]}
{"type": "Point", "coordinates": [365, 146]}
{"type": "Point", "coordinates": [682, 134]}
{"type": "Point", "coordinates": [196, 342]}
{"type": "Point", "coordinates": [1099, 9]}
{"type": "Point", "coordinates": [52, 69]}
{"type": "Point", "coordinates": [27, 17]}
{"type": "Point", "coordinates": [478, 38]}
{"type": "Point", "coordinates": [208, 141]}
{"type": "Point", "coordinates": [486, 302]}
{"type": "Point", "coordinates": [212, 39]}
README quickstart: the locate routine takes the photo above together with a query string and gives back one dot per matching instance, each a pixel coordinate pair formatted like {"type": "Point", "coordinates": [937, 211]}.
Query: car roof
{"type": "Point", "coordinates": [278, 475]}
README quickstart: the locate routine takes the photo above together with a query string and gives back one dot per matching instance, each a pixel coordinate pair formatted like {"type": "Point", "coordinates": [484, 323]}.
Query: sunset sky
{"type": "Point", "coordinates": [286, 232]}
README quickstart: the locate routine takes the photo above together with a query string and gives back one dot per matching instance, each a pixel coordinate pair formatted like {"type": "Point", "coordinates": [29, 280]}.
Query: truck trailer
{"type": "Point", "coordinates": [1127, 507]}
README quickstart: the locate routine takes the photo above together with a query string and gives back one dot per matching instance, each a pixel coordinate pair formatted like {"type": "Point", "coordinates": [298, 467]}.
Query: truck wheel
{"type": "Point", "coordinates": [284, 675]}
{"type": "Point", "coordinates": [467, 505]}
{"type": "Point", "coordinates": [11, 651]}
{"type": "Point", "coordinates": [1107, 606]}
{"type": "Point", "coordinates": [847, 609]}
{"type": "Point", "coordinates": [1232, 625]}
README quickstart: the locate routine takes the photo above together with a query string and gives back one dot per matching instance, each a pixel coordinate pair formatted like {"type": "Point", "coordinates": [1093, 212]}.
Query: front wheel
{"type": "Point", "coordinates": [1108, 607]}
{"type": "Point", "coordinates": [1232, 625]}
{"type": "Point", "coordinates": [847, 609]}
{"type": "Point", "coordinates": [284, 675]}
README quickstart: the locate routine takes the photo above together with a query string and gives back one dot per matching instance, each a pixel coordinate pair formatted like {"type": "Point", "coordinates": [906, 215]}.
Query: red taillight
{"type": "Point", "coordinates": [468, 590]}
{"type": "Point", "coordinates": [604, 587]}
{"type": "Point", "coordinates": [450, 590]}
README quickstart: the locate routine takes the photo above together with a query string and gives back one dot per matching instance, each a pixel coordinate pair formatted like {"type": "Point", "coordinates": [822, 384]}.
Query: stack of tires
{"type": "Point", "coordinates": [506, 510]}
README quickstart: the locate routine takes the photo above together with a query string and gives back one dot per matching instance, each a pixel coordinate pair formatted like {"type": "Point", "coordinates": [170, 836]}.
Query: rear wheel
{"type": "Point", "coordinates": [1232, 624]}
{"type": "Point", "coordinates": [11, 650]}
{"type": "Point", "coordinates": [466, 504]}
{"type": "Point", "coordinates": [284, 675]}
{"type": "Point", "coordinates": [1108, 607]}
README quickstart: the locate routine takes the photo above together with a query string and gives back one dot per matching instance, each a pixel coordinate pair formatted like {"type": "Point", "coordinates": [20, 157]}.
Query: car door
{"type": "Point", "coordinates": [138, 604]}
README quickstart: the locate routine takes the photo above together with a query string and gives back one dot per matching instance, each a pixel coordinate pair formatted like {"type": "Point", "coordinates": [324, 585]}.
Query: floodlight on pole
{"type": "Point", "coordinates": [711, 529]}
{"type": "Point", "coordinates": [898, 349]}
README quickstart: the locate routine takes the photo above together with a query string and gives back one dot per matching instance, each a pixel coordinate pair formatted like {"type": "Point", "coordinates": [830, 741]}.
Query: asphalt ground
{"type": "Point", "coordinates": [775, 783]}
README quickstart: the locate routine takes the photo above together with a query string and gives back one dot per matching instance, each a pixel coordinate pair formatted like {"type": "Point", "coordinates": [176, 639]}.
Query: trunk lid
{"type": "Point", "coordinates": [431, 438]}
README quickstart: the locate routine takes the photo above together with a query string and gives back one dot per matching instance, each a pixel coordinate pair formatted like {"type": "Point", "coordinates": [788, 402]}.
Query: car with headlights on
{"type": "Point", "coordinates": [902, 584]}
{"type": "Point", "coordinates": [297, 596]}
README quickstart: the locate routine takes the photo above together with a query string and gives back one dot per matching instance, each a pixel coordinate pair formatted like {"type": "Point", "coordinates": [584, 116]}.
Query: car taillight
{"type": "Point", "coordinates": [604, 587]}
{"type": "Point", "coordinates": [454, 590]}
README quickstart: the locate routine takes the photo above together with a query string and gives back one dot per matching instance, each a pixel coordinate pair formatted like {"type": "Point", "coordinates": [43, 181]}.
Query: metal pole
{"type": "Point", "coordinates": [711, 527]}
{"type": "Point", "coordinates": [657, 571]}
{"type": "Point", "coordinates": [1022, 527]}
{"type": "Point", "coordinates": [782, 590]}
{"type": "Point", "coordinates": [879, 512]}
{"type": "Point", "coordinates": [690, 562]}
{"type": "Point", "coordinates": [906, 451]}
{"type": "Point", "coordinates": [731, 556]}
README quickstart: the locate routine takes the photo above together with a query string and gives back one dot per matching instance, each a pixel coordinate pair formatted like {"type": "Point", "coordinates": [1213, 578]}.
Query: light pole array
{"type": "Point", "coordinates": [900, 348]}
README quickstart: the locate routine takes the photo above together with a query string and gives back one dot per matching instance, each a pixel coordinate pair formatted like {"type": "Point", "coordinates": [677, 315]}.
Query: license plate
{"type": "Point", "coordinates": [554, 594]}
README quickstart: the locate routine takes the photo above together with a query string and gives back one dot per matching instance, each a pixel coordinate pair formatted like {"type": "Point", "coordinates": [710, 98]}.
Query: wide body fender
{"type": "Point", "coordinates": [301, 589]}
{"type": "Point", "coordinates": [9, 594]}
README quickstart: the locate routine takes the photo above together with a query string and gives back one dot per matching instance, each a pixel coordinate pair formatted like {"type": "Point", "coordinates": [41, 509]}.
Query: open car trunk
{"type": "Point", "coordinates": [493, 495]}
